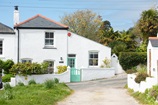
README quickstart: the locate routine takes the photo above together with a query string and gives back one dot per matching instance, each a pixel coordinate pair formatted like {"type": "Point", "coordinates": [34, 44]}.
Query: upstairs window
{"type": "Point", "coordinates": [49, 38]}
{"type": "Point", "coordinates": [93, 58]}
{"type": "Point", "coordinates": [1, 47]}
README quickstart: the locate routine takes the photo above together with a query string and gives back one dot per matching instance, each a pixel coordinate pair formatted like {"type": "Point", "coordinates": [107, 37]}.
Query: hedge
{"type": "Point", "coordinates": [131, 59]}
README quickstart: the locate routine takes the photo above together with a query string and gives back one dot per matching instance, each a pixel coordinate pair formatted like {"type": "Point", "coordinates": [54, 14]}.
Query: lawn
{"type": "Point", "coordinates": [34, 94]}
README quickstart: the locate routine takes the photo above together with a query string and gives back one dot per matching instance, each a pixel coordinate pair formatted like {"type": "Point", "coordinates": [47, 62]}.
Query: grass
{"type": "Point", "coordinates": [35, 94]}
{"type": "Point", "coordinates": [143, 98]}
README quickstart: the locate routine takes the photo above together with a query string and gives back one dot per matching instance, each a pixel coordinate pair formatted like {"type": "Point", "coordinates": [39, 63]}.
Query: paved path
{"type": "Point", "coordinates": [100, 92]}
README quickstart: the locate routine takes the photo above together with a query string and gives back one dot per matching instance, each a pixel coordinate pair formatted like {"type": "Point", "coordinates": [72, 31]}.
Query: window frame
{"type": "Point", "coordinates": [93, 58]}
{"type": "Point", "coordinates": [49, 38]}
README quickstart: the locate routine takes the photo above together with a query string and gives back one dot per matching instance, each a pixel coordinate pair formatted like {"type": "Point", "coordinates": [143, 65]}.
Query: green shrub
{"type": "Point", "coordinates": [29, 68]}
{"type": "Point", "coordinates": [131, 71]}
{"type": "Point", "coordinates": [61, 69]}
{"type": "Point", "coordinates": [7, 77]}
{"type": "Point", "coordinates": [131, 59]}
{"type": "Point", "coordinates": [7, 86]}
{"type": "Point", "coordinates": [32, 82]}
{"type": "Point", "coordinates": [7, 65]}
{"type": "Point", "coordinates": [20, 84]}
{"type": "Point", "coordinates": [141, 77]}
{"type": "Point", "coordinates": [56, 80]}
{"type": "Point", "coordinates": [153, 92]}
{"type": "Point", "coordinates": [48, 84]}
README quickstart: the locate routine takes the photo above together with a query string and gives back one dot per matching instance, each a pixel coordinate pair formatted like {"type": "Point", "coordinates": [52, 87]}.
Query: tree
{"type": "Point", "coordinates": [148, 23]}
{"type": "Point", "coordinates": [83, 22]}
{"type": "Point", "coordinates": [106, 33]}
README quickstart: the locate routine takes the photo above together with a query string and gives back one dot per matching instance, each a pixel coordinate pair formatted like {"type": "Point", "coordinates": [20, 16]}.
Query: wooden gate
{"type": "Point", "coordinates": [75, 75]}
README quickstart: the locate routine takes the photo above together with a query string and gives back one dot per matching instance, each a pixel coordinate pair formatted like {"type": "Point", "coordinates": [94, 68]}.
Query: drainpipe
{"type": "Point", "coordinates": [18, 47]}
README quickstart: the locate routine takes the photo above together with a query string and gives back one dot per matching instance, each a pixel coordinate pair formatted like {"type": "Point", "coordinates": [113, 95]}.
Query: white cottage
{"type": "Point", "coordinates": [40, 39]}
{"type": "Point", "coordinates": [152, 54]}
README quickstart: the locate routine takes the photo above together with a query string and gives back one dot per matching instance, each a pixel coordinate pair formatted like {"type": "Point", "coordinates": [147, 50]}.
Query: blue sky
{"type": "Point", "coordinates": [122, 14]}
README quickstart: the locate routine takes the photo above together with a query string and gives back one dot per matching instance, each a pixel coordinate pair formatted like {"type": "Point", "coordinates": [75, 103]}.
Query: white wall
{"type": "Point", "coordinates": [32, 46]}
{"type": "Point", "coordinates": [148, 83]}
{"type": "Point", "coordinates": [81, 46]}
{"type": "Point", "coordinates": [64, 77]}
{"type": "Point", "coordinates": [9, 47]}
{"type": "Point", "coordinates": [96, 73]}
{"type": "Point", "coordinates": [154, 59]}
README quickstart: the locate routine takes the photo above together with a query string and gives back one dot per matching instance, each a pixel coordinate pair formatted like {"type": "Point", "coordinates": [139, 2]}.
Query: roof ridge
{"type": "Point", "coordinates": [39, 15]}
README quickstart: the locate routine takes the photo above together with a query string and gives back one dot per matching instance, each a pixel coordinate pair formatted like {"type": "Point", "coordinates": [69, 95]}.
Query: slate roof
{"type": "Point", "coordinates": [4, 29]}
{"type": "Point", "coordinates": [154, 41]}
{"type": "Point", "coordinates": [40, 22]}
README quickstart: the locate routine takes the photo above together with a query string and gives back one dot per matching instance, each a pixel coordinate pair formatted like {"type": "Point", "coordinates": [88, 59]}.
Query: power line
{"type": "Point", "coordinates": [132, 9]}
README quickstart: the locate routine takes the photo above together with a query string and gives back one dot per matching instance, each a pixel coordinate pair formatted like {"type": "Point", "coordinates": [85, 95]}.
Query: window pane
{"type": "Point", "coordinates": [46, 41]}
{"type": "Point", "coordinates": [95, 55]}
{"type": "Point", "coordinates": [46, 35]}
{"type": "Point", "coordinates": [51, 35]}
{"type": "Point", "coordinates": [0, 50]}
{"type": "Point", "coordinates": [90, 62]}
{"type": "Point", "coordinates": [51, 42]}
{"type": "Point", "coordinates": [90, 55]}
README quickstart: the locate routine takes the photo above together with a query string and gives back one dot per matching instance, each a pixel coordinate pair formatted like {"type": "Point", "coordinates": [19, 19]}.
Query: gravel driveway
{"type": "Point", "coordinates": [100, 92]}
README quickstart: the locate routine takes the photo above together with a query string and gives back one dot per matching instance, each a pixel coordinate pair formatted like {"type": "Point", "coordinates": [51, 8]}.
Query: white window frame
{"type": "Point", "coordinates": [93, 52]}
{"type": "Point", "coordinates": [49, 45]}
{"type": "Point", "coordinates": [24, 60]}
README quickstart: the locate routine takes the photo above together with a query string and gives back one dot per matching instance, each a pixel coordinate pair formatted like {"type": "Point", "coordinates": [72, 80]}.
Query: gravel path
{"type": "Point", "coordinates": [100, 92]}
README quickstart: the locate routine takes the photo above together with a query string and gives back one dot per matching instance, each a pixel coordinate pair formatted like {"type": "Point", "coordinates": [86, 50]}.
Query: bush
{"type": "Point", "coordinates": [61, 69]}
{"type": "Point", "coordinates": [7, 86]}
{"type": "Point", "coordinates": [48, 84]}
{"type": "Point", "coordinates": [20, 84]}
{"type": "Point", "coordinates": [56, 80]}
{"type": "Point", "coordinates": [32, 82]}
{"type": "Point", "coordinates": [29, 68]}
{"type": "Point", "coordinates": [131, 59]}
{"type": "Point", "coordinates": [7, 65]}
{"type": "Point", "coordinates": [131, 71]}
{"type": "Point", "coordinates": [7, 77]}
{"type": "Point", "coordinates": [141, 77]}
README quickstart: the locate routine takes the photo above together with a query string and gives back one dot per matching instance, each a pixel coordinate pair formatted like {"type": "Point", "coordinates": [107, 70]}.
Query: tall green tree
{"type": "Point", "coordinates": [106, 34]}
{"type": "Point", "coordinates": [148, 23]}
{"type": "Point", "coordinates": [83, 22]}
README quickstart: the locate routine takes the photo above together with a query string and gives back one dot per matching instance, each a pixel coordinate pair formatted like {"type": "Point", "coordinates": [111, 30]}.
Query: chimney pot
{"type": "Point", "coordinates": [16, 7]}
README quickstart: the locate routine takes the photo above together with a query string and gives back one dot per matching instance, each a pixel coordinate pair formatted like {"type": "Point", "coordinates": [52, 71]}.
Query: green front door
{"type": "Point", "coordinates": [74, 73]}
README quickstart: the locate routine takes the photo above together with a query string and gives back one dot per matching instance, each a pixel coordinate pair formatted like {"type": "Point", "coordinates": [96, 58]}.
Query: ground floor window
{"type": "Point", "coordinates": [24, 60]}
{"type": "Point", "coordinates": [93, 58]}
{"type": "Point", "coordinates": [50, 66]}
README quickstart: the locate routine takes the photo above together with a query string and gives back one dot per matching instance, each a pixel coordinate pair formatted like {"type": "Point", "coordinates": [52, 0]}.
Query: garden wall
{"type": "Point", "coordinates": [143, 84]}
{"type": "Point", "coordinates": [96, 73]}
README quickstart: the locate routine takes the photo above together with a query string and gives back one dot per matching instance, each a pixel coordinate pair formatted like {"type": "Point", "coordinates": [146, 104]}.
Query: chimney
{"type": "Point", "coordinates": [16, 15]}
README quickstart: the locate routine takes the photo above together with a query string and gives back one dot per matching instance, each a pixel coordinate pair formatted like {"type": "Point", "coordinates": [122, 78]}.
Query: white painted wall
{"type": "Point", "coordinates": [32, 46]}
{"type": "Point", "coordinates": [9, 46]}
{"type": "Point", "coordinates": [64, 77]}
{"type": "Point", "coordinates": [81, 46]}
{"type": "Point", "coordinates": [154, 58]}
{"type": "Point", "coordinates": [96, 73]}
{"type": "Point", "coordinates": [148, 83]}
